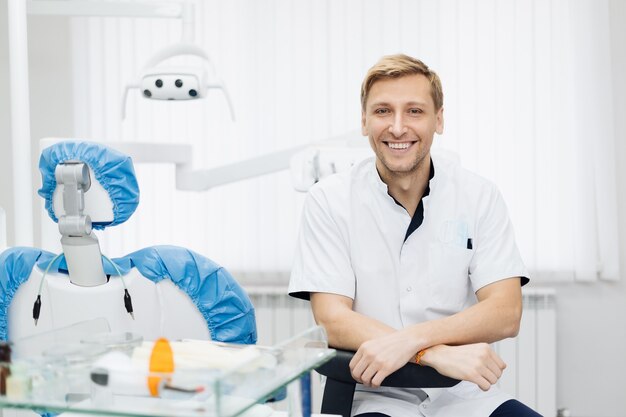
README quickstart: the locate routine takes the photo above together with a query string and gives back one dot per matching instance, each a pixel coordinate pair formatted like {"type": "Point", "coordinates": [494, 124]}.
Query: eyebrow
{"type": "Point", "coordinates": [410, 103]}
{"type": "Point", "coordinates": [417, 103]}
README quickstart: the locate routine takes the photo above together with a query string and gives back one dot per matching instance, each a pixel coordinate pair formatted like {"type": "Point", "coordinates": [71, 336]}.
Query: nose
{"type": "Point", "coordinates": [397, 128]}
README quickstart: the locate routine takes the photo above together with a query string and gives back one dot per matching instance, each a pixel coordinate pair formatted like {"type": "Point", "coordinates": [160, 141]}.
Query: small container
{"type": "Point", "coordinates": [5, 367]}
{"type": "Point", "coordinates": [71, 364]}
{"type": "Point", "coordinates": [74, 353]}
{"type": "Point", "coordinates": [123, 342]}
{"type": "Point", "coordinates": [19, 383]}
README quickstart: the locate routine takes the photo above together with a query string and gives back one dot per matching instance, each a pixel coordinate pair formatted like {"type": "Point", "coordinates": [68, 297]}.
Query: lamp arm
{"type": "Point", "coordinates": [204, 179]}
{"type": "Point", "coordinates": [176, 50]}
{"type": "Point", "coordinates": [222, 87]}
{"type": "Point", "coordinates": [125, 97]}
{"type": "Point", "coordinates": [190, 179]}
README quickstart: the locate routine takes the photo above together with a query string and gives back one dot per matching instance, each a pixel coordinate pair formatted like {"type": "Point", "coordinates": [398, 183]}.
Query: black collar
{"type": "Point", "coordinates": [418, 216]}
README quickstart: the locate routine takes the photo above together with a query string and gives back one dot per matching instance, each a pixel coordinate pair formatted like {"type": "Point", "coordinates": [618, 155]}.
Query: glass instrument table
{"type": "Point", "coordinates": [62, 382]}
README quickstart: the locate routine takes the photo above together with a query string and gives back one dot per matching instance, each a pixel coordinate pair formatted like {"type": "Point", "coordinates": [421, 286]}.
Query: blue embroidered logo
{"type": "Point", "coordinates": [454, 232]}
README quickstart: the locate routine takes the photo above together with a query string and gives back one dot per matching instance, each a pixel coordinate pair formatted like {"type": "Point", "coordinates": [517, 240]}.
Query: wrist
{"type": "Point", "coordinates": [417, 336]}
{"type": "Point", "coordinates": [419, 356]}
{"type": "Point", "coordinates": [429, 357]}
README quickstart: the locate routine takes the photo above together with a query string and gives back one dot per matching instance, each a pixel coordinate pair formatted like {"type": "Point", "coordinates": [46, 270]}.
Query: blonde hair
{"type": "Point", "coordinates": [400, 65]}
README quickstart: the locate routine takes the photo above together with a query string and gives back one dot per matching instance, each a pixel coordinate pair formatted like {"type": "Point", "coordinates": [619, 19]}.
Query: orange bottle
{"type": "Point", "coordinates": [161, 361]}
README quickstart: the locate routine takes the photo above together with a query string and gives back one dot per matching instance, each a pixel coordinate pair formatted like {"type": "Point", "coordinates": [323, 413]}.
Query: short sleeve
{"type": "Point", "coordinates": [496, 255]}
{"type": "Point", "coordinates": [322, 261]}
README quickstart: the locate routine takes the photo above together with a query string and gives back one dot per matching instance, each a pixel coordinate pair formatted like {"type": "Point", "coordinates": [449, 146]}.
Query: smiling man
{"type": "Point", "coordinates": [409, 257]}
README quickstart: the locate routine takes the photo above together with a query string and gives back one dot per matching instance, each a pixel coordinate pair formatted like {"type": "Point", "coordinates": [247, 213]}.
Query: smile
{"type": "Point", "coordinates": [399, 145]}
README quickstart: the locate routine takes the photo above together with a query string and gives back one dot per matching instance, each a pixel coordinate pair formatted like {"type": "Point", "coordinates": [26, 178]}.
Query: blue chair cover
{"type": "Point", "coordinates": [225, 306]}
{"type": "Point", "coordinates": [113, 170]}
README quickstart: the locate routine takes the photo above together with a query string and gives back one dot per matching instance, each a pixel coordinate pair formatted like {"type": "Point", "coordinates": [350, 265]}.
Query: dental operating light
{"type": "Point", "coordinates": [181, 82]}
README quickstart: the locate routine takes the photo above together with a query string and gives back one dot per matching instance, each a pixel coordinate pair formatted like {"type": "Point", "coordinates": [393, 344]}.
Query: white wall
{"type": "Point", "coordinates": [592, 318]}
{"type": "Point", "coordinates": [50, 98]}
{"type": "Point", "coordinates": [294, 74]}
{"type": "Point", "coordinates": [6, 188]}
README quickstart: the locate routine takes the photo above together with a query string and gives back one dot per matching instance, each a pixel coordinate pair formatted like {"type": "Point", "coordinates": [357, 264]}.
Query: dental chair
{"type": "Point", "coordinates": [161, 291]}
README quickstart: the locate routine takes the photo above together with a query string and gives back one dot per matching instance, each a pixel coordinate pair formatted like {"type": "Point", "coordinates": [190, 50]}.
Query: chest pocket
{"type": "Point", "coordinates": [449, 284]}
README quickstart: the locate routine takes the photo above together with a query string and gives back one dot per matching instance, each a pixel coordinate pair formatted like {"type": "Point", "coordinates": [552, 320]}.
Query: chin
{"type": "Point", "coordinates": [401, 169]}
{"type": "Point", "coordinates": [404, 171]}
{"type": "Point", "coordinates": [404, 164]}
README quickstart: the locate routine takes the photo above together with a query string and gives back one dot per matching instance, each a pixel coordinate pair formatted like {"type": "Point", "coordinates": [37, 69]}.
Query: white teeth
{"type": "Point", "coordinates": [398, 145]}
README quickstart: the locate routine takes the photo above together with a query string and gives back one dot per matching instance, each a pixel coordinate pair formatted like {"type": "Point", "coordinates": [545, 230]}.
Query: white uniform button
{"type": "Point", "coordinates": [409, 289]}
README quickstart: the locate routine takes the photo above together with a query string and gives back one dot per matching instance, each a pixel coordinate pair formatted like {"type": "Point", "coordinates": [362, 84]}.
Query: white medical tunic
{"type": "Point", "coordinates": [352, 243]}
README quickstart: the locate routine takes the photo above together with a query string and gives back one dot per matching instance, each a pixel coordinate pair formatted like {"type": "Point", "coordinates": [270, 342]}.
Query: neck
{"type": "Point", "coordinates": [407, 188]}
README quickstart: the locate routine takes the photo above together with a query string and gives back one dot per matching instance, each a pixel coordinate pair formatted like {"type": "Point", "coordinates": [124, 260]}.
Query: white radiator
{"type": "Point", "coordinates": [278, 316]}
{"type": "Point", "coordinates": [531, 357]}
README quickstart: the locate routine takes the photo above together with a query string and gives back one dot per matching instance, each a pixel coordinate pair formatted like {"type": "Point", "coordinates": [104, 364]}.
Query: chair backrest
{"type": "Point", "coordinates": [160, 309]}
{"type": "Point", "coordinates": [177, 294]}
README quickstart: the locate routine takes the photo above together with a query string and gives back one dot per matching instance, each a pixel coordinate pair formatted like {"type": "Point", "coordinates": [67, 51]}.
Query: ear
{"type": "Point", "coordinates": [363, 127]}
{"type": "Point", "coordinates": [439, 127]}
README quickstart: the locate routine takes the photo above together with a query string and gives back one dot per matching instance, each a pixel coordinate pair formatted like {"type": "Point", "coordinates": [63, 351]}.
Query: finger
{"type": "Point", "coordinates": [357, 364]}
{"type": "Point", "coordinates": [368, 375]}
{"type": "Point", "coordinates": [498, 360]}
{"type": "Point", "coordinates": [357, 372]}
{"type": "Point", "coordinates": [490, 376]}
{"type": "Point", "coordinates": [495, 368]}
{"type": "Point", "coordinates": [482, 383]}
{"type": "Point", "coordinates": [378, 379]}
{"type": "Point", "coordinates": [355, 359]}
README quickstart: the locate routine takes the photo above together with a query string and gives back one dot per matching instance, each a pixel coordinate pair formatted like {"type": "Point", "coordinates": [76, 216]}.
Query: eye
{"type": "Point", "coordinates": [415, 111]}
{"type": "Point", "coordinates": [381, 111]}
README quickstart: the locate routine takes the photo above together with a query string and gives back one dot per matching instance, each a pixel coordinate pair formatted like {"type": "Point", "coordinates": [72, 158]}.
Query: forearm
{"type": "Point", "coordinates": [493, 318]}
{"type": "Point", "coordinates": [346, 329]}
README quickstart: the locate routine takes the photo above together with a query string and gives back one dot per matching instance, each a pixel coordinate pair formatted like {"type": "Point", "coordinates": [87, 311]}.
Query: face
{"type": "Point", "coordinates": [400, 120]}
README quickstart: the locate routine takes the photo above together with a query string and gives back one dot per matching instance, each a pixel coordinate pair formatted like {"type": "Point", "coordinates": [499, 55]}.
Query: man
{"type": "Point", "coordinates": [411, 258]}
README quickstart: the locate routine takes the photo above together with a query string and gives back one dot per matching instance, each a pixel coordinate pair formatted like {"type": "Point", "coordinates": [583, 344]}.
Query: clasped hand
{"type": "Point", "coordinates": [378, 358]}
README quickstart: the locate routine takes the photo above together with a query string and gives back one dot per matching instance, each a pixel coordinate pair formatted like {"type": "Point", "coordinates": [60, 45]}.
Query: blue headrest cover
{"type": "Point", "coordinates": [113, 170]}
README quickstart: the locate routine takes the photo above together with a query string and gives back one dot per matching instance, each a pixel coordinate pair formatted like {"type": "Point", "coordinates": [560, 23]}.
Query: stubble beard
{"type": "Point", "coordinates": [399, 172]}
